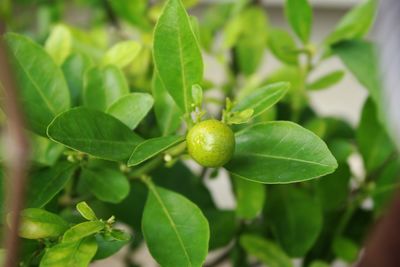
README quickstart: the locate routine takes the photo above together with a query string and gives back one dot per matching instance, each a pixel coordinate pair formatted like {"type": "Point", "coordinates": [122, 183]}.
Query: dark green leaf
{"type": "Point", "coordinates": [95, 133]}
{"type": "Point", "coordinates": [327, 80]}
{"type": "Point", "coordinates": [250, 198]}
{"type": "Point", "coordinates": [289, 152]}
{"type": "Point", "coordinates": [108, 246]}
{"type": "Point", "coordinates": [223, 227]}
{"type": "Point", "coordinates": [300, 17]}
{"type": "Point", "coordinates": [283, 46]}
{"type": "Point", "coordinates": [82, 230]}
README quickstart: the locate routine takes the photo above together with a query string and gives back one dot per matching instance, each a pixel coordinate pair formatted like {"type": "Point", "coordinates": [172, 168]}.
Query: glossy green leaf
{"type": "Point", "coordinates": [152, 147]}
{"type": "Point", "coordinates": [293, 215]}
{"type": "Point", "coordinates": [38, 224]}
{"type": "Point", "coordinates": [95, 133]}
{"type": "Point", "coordinates": [373, 141]}
{"type": "Point", "coordinates": [175, 230]}
{"type": "Point", "coordinates": [46, 183]}
{"type": "Point", "coordinates": [102, 87]}
{"type": "Point", "coordinates": [107, 246]}
{"type": "Point", "coordinates": [283, 46]}
{"type": "Point", "coordinates": [300, 17]}
{"type": "Point", "coordinates": [59, 43]}
{"type": "Point", "coordinates": [82, 230]}
{"type": "Point", "coordinates": [223, 227]}
{"type": "Point", "coordinates": [250, 198]}
{"type": "Point", "coordinates": [43, 90]}
{"type": "Point", "coordinates": [167, 113]}
{"type": "Point", "coordinates": [86, 212]}
{"type": "Point", "coordinates": [289, 152]}
{"type": "Point", "coordinates": [106, 184]}
{"type": "Point", "coordinates": [73, 254]}
{"type": "Point", "coordinates": [177, 54]}
{"type": "Point", "coordinates": [44, 151]}
{"type": "Point", "coordinates": [132, 108]}
{"type": "Point", "coordinates": [355, 24]}
{"type": "Point", "coordinates": [121, 54]}
{"type": "Point", "coordinates": [262, 99]}
{"type": "Point", "coordinates": [265, 251]}
{"type": "Point", "coordinates": [327, 80]}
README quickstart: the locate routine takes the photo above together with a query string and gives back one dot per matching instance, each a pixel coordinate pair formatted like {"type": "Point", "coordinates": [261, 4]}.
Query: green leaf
{"type": "Point", "coordinates": [86, 212]}
{"type": "Point", "coordinates": [262, 99]}
{"type": "Point", "coordinates": [121, 54]}
{"type": "Point", "coordinates": [73, 254]}
{"type": "Point", "coordinates": [283, 46]}
{"type": "Point", "coordinates": [153, 147]}
{"type": "Point", "coordinates": [300, 17]}
{"type": "Point", "coordinates": [327, 80]}
{"type": "Point", "coordinates": [373, 141]}
{"type": "Point", "coordinates": [355, 24]}
{"type": "Point", "coordinates": [223, 227]}
{"type": "Point", "coordinates": [44, 151]}
{"type": "Point", "coordinates": [293, 215]}
{"type": "Point", "coordinates": [108, 246]}
{"type": "Point", "coordinates": [95, 133]}
{"type": "Point", "coordinates": [167, 113]}
{"type": "Point", "coordinates": [43, 90]}
{"type": "Point", "coordinates": [177, 54]}
{"type": "Point", "coordinates": [346, 249]}
{"type": "Point", "coordinates": [131, 109]}
{"type": "Point", "coordinates": [39, 224]}
{"type": "Point", "coordinates": [197, 95]}
{"type": "Point", "coordinates": [250, 198]}
{"type": "Point", "coordinates": [265, 251]}
{"type": "Point", "coordinates": [59, 43]}
{"type": "Point", "coordinates": [82, 230]}
{"type": "Point", "coordinates": [319, 264]}
{"type": "Point", "coordinates": [46, 183]}
{"type": "Point", "coordinates": [131, 11]}
{"type": "Point", "coordinates": [289, 152]}
{"type": "Point", "coordinates": [106, 184]}
{"type": "Point", "coordinates": [102, 87]}
{"type": "Point", "coordinates": [175, 230]}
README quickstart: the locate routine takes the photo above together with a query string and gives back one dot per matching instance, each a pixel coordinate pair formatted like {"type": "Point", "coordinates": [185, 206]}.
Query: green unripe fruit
{"type": "Point", "coordinates": [211, 143]}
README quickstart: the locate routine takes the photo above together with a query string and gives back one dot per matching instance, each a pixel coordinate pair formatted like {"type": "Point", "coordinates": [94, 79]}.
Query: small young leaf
{"type": "Point", "coordinates": [175, 230]}
{"type": "Point", "coordinates": [152, 147]}
{"type": "Point", "coordinates": [250, 198]}
{"type": "Point", "coordinates": [241, 116]}
{"type": "Point", "coordinates": [86, 212]}
{"type": "Point", "coordinates": [283, 46]}
{"type": "Point", "coordinates": [132, 108]}
{"type": "Point", "coordinates": [300, 17]}
{"type": "Point", "coordinates": [197, 95]}
{"type": "Point", "coordinates": [177, 55]}
{"type": "Point", "coordinates": [289, 152]}
{"type": "Point", "coordinates": [95, 133]}
{"type": "Point", "coordinates": [82, 230]}
{"type": "Point", "coordinates": [59, 43]}
{"type": "Point", "coordinates": [121, 54]}
{"type": "Point", "coordinates": [74, 254]}
{"type": "Point", "coordinates": [327, 80]}
{"type": "Point", "coordinates": [266, 251]}
{"type": "Point", "coordinates": [106, 184]}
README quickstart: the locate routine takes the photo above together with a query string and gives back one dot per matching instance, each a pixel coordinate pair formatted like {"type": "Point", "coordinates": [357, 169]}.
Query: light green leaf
{"type": "Point", "coordinates": [327, 80]}
{"type": "Point", "coordinates": [59, 43]}
{"type": "Point", "coordinates": [346, 249]}
{"type": "Point", "coordinates": [263, 98]}
{"type": "Point", "coordinates": [46, 183]}
{"type": "Point", "coordinates": [39, 224]}
{"type": "Point", "coordinates": [289, 152]}
{"type": "Point", "coordinates": [95, 133]}
{"type": "Point", "coordinates": [131, 11]}
{"type": "Point", "coordinates": [283, 46]}
{"type": "Point", "coordinates": [44, 151]}
{"type": "Point", "coordinates": [175, 230]}
{"type": "Point", "coordinates": [102, 87]}
{"type": "Point", "coordinates": [167, 113]}
{"type": "Point", "coordinates": [177, 54]}
{"type": "Point", "coordinates": [300, 17]}
{"type": "Point", "coordinates": [250, 198]}
{"type": "Point", "coordinates": [293, 215]}
{"type": "Point", "coordinates": [265, 251]}
{"type": "Point", "coordinates": [131, 109]}
{"type": "Point", "coordinates": [197, 95]}
{"type": "Point", "coordinates": [72, 254]}
{"type": "Point", "coordinates": [86, 211]}
{"type": "Point", "coordinates": [106, 184]}
{"type": "Point", "coordinates": [43, 91]}
{"type": "Point", "coordinates": [355, 24]}
{"type": "Point", "coordinates": [82, 230]}
{"type": "Point", "coordinates": [121, 54]}
{"type": "Point", "coordinates": [152, 147]}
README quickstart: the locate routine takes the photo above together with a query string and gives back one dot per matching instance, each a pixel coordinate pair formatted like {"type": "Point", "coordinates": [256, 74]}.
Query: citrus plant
{"type": "Point", "coordinates": [125, 129]}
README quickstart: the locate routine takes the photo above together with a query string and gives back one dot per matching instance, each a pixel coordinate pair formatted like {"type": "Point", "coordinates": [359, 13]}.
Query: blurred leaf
{"type": "Point", "coordinates": [327, 80]}
{"type": "Point", "coordinates": [289, 152]}
{"type": "Point", "coordinates": [59, 43]}
{"type": "Point", "coordinates": [346, 249]}
{"type": "Point", "coordinates": [121, 54]}
{"type": "Point", "coordinates": [45, 151]}
{"type": "Point", "coordinates": [95, 133]}
{"type": "Point", "coordinates": [250, 198]}
{"type": "Point", "coordinates": [131, 11]}
{"type": "Point", "coordinates": [108, 246]}
{"type": "Point", "coordinates": [177, 55]}
{"type": "Point", "coordinates": [131, 109]}
{"type": "Point", "coordinates": [341, 149]}
{"type": "Point", "coordinates": [197, 95]}
{"type": "Point", "coordinates": [283, 46]}
{"type": "Point", "coordinates": [86, 212]}
{"type": "Point", "coordinates": [223, 227]}
{"type": "Point", "coordinates": [319, 264]}
{"type": "Point", "coordinates": [82, 230]}
{"type": "Point", "coordinates": [152, 147]}
{"type": "Point", "coordinates": [175, 230]}
{"type": "Point", "coordinates": [265, 251]}
{"type": "Point", "coordinates": [300, 16]}
{"type": "Point", "coordinates": [43, 90]}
